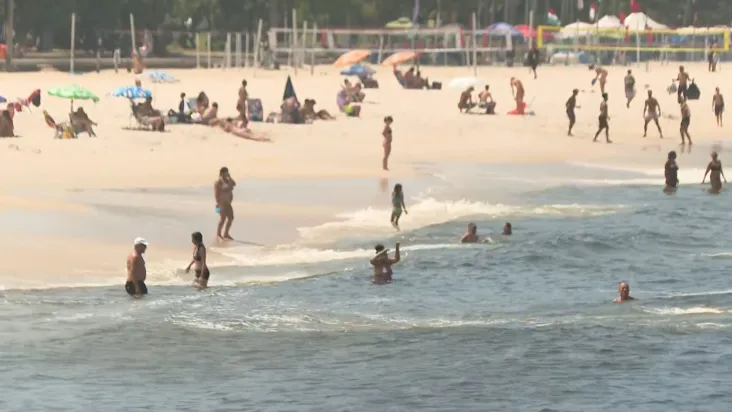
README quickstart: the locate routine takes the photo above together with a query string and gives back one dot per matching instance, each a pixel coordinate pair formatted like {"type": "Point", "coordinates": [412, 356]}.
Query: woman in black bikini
{"type": "Point", "coordinates": [199, 261]}
{"type": "Point", "coordinates": [714, 170]}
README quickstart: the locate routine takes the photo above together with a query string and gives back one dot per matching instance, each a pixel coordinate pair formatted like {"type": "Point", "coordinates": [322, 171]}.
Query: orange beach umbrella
{"type": "Point", "coordinates": [352, 57]}
{"type": "Point", "coordinates": [399, 58]}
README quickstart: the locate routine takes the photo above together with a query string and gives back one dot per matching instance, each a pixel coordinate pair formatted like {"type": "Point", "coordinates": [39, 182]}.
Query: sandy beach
{"type": "Point", "coordinates": [41, 176]}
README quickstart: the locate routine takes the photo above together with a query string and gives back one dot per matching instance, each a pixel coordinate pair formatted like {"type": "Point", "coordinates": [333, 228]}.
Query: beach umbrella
{"type": "Point", "coordinates": [502, 28]}
{"type": "Point", "coordinates": [400, 23]}
{"type": "Point", "coordinates": [352, 57]}
{"type": "Point", "coordinates": [463, 83]}
{"type": "Point", "coordinates": [399, 58]}
{"type": "Point", "coordinates": [289, 90]}
{"type": "Point", "coordinates": [3, 100]}
{"type": "Point", "coordinates": [160, 77]}
{"type": "Point", "coordinates": [73, 92]}
{"type": "Point", "coordinates": [358, 70]}
{"type": "Point", "coordinates": [132, 92]}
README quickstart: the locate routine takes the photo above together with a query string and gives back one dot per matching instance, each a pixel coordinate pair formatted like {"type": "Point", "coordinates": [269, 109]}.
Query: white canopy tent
{"type": "Point", "coordinates": [609, 22]}
{"type": "Point", "coordinates": [640, 21]}
{"type": "Point", "coordinates": [576, 29]}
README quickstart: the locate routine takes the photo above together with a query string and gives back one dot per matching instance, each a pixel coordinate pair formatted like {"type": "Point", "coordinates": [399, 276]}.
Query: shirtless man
{"type": "Point", "coordinates": [382, 264]}
{"type": "Point", "coordinates": [471, 236]}
{"type": "Point", "coordinates": [241, 104]}
{"type": "Point", "coordinates": [466, 100]}
{"type": "Point", "coordinates": [624, 291]}
{"type": "Point", "coordinates": [683, 79]}
{"type": "Point", "coordinates": [685, 121]}
{"type": "Point", "coordinates": [224, 195]}
{"type": "Point", "coordinates": [629, 87]}
{"type": "Point", "coordinates": [533, 59]}
{"type": "Point", "coordinates": [651, 111]}
{"type": "Point", "coordinates": [603, 120]}
{"type": "Point", "coordinates": [485, 101]}
{"type": "Point", "coordinates": [601, 74]}
{"type": "Point", "coordinates": [518, 94]}
{"type": "Point", "coordinates": [718, 106]}
{"type": "Point", "coordinates": [571, 105]}
{"type": "Point", "coordinates": [136, 272]}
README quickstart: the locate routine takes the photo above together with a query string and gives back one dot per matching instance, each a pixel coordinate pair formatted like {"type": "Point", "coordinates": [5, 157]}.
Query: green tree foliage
{"type": "Point", "coordinates": [51, 18]}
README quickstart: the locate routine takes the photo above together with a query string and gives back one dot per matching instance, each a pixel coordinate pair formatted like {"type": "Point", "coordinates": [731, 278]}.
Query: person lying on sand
{"type": "Point", "coordinates": [237, 128]}
{"type": "Point", "coordinates": [82, 122]}
{"type": "Point", "coordinates": [307, 112]}
{"type": "Point", "coordinates": [466, 100]}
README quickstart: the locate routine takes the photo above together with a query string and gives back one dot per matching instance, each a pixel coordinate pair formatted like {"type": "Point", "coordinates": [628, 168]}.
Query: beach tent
{"type": "Point", "coordinates": [609, 22]}
{"type": "Point", "coordinates": [403, 23]}
{"type": "Point", "coordinates": [577, 29]}
{"type": "Point", "coordinates": [289, 90]}
{"type": "Point", "coordinates": [640, 21]}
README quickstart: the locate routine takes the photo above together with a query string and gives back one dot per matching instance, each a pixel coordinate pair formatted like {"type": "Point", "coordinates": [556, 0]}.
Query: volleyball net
{"type": "Point", "coordinates": [452, 46]}
{"type": "Point", "coordinates": [633, 45]}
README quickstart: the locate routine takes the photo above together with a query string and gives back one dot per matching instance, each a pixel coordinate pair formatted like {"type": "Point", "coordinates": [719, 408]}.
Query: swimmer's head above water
{"type": "Point", "coordinates": [624, 292]}
{"type": "Point", "coordinates": [507, 229]}
{"type": "Point", "coordinates": [472, 228]}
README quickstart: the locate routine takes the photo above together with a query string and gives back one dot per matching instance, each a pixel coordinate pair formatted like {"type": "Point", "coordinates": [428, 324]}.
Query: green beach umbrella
{"type": "Point", "coordinates": [73, 92]}
{"type": "Point", "coordinates": [400, 23]}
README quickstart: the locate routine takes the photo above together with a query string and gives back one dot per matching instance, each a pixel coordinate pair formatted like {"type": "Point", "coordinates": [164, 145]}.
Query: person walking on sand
{"type": "Point", "coordinates": [571, 105]}
{"type": "Point", "coordinates": [718, 106]}
{"type": "Point", "coordinates": [685, 121]}
{"type": "Point", "coordinates": [603, 120]}
{"type": "Point", "coordinates": [683, 79]}
{"type": "Point", "coordinates": [382, 264]}
{"type": "Point", "coordinates": [533, 59]}
{"type": "Point", "coordinates": [388, 120]}
{"type": "Point", "coordinates": [517, 89]}
{"type": "Point", "coordinates": [600, 74]}
{"type": "Point", "coordinates": [714, 170]}
{"type": "Point", "coordinates": [651, 111]}
{"type": "Point", "coordinates": [136, 271]}
{"type": "Point", "coordinates": [397, 205]}
{"type": "Point", "coordinates": [629, 88]}
{"type": "Point", "coordinates": [224, 196]}
{"type": "Point", "coordinates": [241, 104]}
{"type": "Point", "coordinates": [199, 262]}
{"type": "Point", "coordinates": [671, 173]}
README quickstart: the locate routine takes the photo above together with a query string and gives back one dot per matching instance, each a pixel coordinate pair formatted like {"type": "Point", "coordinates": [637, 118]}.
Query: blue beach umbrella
{"type": "Point", "coordinates": [160, 77]}
{"type": "Point", "coordinates": [3, 100]}
{"type": "Point", "coordinates": [358, 70]}
{"type": "Point", "coordinates": [132, 92]}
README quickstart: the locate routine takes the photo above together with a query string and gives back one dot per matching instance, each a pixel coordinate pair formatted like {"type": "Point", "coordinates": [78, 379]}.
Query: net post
{"type": "Point", "coordinates": [381, 49]}
{"type": "Point", "coordinates": [303, 42]}
{"type": "Point", "coordinates": [237, 51]}
{"type": "Point", "coordinates": [73, 43]}
{"type": "Point", "coordinates": [198, 50]}
{"type": "Point", "coordinates": [246, 50]}
{"type": "Point", "coordinates": [257, 42]}
{"type": "Point", "coordinates": [208, 47]}
{"type": "Point", "coordinates": [475, 46]}
{"type": "Point", "coordinates": [312, 52]}
{"type": "Point", "coordinates": [227, 52]}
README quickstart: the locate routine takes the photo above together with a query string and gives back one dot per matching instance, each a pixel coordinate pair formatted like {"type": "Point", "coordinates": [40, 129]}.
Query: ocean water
{"type": "Point", "coordinates": [518, 324]}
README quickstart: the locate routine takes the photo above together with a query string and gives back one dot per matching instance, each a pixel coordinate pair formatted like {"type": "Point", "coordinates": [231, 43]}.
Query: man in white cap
{"type": "Point", "coordinates": [136, 272]}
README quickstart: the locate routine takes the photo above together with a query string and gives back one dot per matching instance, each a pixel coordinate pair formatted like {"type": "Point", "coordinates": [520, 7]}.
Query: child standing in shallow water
{"type": "Point", "coordinates": [397, 204]}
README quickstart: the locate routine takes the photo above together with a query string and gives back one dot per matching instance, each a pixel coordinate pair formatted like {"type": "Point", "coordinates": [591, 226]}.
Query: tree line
{"type": "Point", "coordinates": [35, 18]}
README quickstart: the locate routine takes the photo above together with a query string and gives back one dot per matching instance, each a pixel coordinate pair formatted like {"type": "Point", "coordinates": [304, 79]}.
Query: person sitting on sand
{"type": "Point", "coordinates": [237, 128]}
{"type": "Point", "coordinates": [382, 264]}
{"type": "Point", "coordinates": [356, 95]}
{"type": "Point", "coordinates": [517, 88]}
{"type": "Point", "coordinates": [601, 74]}
{"type": "Point", "coordinates": [82, 122]}
{"type": "Point", "coordinates": [148, 116]}
{"type": "Point", "coordinates": [6, 123]}
{"type": "Point", "coordinates": [210, 116]}
{"type": "Point", "coordinates": [290, 111]}
{"type": "Point", "coordinates": [307, 112]}
{"type": "Point", "coordinates": [466, 100]}
{"type": "Point", "coordinates": [202, 103]}
{"type": "Point", "coordinates": [485, 101]}
{"type": "Point", "coordinates": [624, 292]}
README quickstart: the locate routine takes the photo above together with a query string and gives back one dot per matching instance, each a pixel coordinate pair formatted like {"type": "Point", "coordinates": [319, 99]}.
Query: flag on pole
{"type": "Point", "coordinates": [593, 11]}
{"type": "Point", "coordinates": [552, 19]}
{"type": "Point", "coordinates": [580, 4]}
{"type": "Point", "coordinates": [635, 7]}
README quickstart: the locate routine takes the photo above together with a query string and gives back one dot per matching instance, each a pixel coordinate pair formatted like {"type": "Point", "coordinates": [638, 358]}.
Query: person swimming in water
{"type": "Point", "coordinates": [199, 261]}
{"type": "Point", "coordinates": [714, 170]}
{"type": "Point", "coordinates": [671, 172]}
{"type": "Point", "coordinates": [382, 264]}
{"type": "Point", "coordinates": [600, 74]}
{"type": "Point", "coordinates": [507, 229]}
{"type": "Point", "coordinates": [471, 236]}
{"type": "Point", "coordinates": [624, 292]}
{"type": "Point", "coordinates": [397, 204]}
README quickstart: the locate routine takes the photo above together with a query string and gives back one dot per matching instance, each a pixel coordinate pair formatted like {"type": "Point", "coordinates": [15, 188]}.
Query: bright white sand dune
{"type": "Point", "coordinates": [427, 128]}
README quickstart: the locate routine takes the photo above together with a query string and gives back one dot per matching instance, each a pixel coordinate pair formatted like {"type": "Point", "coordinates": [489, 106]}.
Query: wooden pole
{"type": "Point", "coordinates": [9, 34]}
{"type": "Point", "coordinates": [293, 46]}
{"type": "Point", "coordinates": [475, 43]}
{"type": "Point", "coordinates": [73, 42]}
{"type": "Point", "coordinates": [257, 41]}
{"type": "Point", "coordinates": [132, 32]}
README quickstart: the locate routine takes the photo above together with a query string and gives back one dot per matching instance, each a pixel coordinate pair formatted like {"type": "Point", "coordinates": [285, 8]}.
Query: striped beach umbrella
{"type": "Point", "coordinates": [132, 92]}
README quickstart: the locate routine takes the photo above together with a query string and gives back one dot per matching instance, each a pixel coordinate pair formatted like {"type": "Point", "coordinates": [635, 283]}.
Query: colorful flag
{"type": "Point", "coordinates": [552, 19]}
{"type": "Point", "coordinates": [635, 7]}
{"type": "Point", "coordinates": [593, 11]}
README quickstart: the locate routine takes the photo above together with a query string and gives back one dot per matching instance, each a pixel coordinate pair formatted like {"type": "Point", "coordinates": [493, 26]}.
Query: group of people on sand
{"type": "Point", "coordinates": [485, 100]}
{"type": "Point", "coordinates": [714, 171]}
{"type": "Point", "coordinates": [136, 269]}
{"type": "Point", "coordinates": [651, 108]}
{"type": "Point", "coordinates": [412, 79]}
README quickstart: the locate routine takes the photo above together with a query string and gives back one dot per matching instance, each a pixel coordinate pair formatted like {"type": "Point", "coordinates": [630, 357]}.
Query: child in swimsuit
{"type": "Point", "coordinates": [397, 203]}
